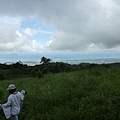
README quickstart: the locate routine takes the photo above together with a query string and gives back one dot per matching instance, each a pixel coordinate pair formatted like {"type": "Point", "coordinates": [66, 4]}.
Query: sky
{"type": "Point", "coordinates": [59, 26]}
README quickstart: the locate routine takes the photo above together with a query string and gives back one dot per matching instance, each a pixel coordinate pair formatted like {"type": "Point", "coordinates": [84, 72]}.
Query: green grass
{"type": "Point", "coordinates": [91, 94]}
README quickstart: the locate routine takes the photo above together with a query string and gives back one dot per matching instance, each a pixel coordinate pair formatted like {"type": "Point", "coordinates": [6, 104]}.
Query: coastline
{"type": "Point", "coordinates": [91, 61]}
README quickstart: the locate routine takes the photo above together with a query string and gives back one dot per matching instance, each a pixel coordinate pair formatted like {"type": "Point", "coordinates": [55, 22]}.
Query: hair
{"type": "Point", "coordinates": [12, 91]}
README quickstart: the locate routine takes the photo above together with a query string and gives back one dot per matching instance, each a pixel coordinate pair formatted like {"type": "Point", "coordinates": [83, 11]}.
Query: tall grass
{"type": "Point", "coordinates": [91, 94]}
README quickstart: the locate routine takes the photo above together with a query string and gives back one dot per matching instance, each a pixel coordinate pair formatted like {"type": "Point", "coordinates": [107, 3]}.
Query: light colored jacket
{"type": "Point", "coordinates": [14, 104]}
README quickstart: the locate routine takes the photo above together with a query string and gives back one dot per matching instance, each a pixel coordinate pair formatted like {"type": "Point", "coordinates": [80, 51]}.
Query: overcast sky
{"type": "Point", "coordinates": [59, 25]}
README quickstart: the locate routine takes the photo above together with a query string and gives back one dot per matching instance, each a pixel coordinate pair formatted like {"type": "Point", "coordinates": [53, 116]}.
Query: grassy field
{"type": "Point", "coordinates": [89, 94]}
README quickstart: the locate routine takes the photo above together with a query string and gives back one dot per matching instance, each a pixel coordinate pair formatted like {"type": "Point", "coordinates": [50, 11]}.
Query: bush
{"type": "Point", "coordinates": [38, 74]}
{"type": "Point", "coordinates": [2, 77]}
{"type": "Point", "coordinates": [1, 95]}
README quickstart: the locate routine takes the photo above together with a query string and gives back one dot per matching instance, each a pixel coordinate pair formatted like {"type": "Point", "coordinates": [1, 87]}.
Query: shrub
{"type": "Point", "coordinates": [2, 77]}
{"type": "Point", "coordinates": [38, 74]}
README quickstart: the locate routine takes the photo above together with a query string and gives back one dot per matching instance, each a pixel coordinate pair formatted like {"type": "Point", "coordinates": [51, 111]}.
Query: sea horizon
{"type": "Point", "coordinates": [73, 58]}
{"type": "Point", "coordinates": [90, 61]}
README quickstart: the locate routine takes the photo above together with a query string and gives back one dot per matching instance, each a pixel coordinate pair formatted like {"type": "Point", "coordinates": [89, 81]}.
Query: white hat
{"type": "Point", "coordinates": [11, 87]}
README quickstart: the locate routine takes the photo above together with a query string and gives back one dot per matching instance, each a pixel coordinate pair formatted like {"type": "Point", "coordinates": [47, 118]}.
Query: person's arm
{"type": "Point", "coordinates": [8, 102]}
{"type": "Point", "coordinates": [7, 108]}
{"type": "Point", "coordinates": [23, 93]}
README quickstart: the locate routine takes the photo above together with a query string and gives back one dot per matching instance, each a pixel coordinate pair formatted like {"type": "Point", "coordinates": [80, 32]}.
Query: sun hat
{"type": "Point", "coordinates": [11, 87]}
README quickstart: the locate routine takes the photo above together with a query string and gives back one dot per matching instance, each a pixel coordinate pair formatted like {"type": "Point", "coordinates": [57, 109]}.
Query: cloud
{"type": "Point", "coordinates": [12, 37]}
{"type": "Point", "coordinates": [79, 25]}
{"type": "Point", "coordinates": [86, 23]}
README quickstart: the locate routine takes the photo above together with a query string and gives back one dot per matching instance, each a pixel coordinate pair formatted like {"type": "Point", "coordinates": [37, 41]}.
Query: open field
{"type": "Point", "coordinates": [87, 94]}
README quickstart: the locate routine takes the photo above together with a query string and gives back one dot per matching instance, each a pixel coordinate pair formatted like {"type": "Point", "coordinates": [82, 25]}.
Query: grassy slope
{"type": "Point", "coordinates": [86, 95]}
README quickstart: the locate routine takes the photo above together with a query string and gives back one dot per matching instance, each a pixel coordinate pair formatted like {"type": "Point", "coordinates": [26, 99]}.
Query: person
{"type": "Point", "coordinates": [14, 104]}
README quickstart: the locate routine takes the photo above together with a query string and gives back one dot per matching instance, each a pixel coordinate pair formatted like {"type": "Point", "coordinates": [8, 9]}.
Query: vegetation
{"type": "Point", "coordinates": [45, 60]}
{"type": "Point", "coordinates": [59, 91]}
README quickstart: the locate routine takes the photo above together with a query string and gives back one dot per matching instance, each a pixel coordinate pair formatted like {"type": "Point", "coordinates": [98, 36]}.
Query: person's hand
{"type": "Point", "coordinates": [23, 92]}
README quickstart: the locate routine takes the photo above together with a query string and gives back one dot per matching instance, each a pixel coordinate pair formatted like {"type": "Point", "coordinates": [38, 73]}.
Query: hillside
{"type": "Point", "coordinates": [88, 94]}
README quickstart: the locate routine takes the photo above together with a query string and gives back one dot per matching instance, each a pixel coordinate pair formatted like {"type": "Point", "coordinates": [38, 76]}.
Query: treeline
{"type": "Point", "coordinates": [18, 69]}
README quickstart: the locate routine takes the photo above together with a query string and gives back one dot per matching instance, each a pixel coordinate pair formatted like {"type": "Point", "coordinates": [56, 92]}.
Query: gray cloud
{"type": "Point", "coordinates": [79, 25]}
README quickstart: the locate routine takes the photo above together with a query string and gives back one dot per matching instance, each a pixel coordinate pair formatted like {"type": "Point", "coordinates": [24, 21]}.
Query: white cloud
{"type": "Point", "coordinates": [30, 32]}
{"type": "Point", "coordinates": [79, 25]}
{"type": "Point", "coordinates": [11, 38]}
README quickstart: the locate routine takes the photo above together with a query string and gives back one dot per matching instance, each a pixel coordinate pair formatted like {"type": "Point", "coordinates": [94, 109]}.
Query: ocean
{"type": "Point", "coordinates": [96, 61]}
{"type": "Point", "coordinates": [74, 58]}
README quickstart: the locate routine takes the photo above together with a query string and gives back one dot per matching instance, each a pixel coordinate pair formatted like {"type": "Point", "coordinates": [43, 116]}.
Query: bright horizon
{"type": "Point", "coordinates": [36, 57]}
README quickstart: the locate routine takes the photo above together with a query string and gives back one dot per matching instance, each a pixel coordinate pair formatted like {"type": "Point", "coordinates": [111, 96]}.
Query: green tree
{"type": "Point", "coordinates": [45, 60]}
